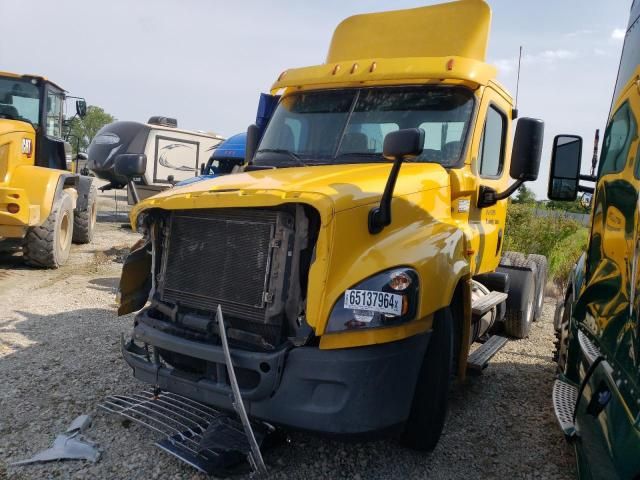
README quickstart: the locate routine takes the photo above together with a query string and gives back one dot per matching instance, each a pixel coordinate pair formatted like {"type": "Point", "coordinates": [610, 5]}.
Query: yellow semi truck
{"type": "Point", "coordinates": [358, 255]}
{"type": "Point", "coordinates": [43, 206]}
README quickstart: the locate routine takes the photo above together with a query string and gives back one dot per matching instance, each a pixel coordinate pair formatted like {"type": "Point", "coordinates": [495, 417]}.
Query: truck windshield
{"type": "Point", "coordinates": [19, 100]}
{"type": "Point", "coordinates": [349, 126]}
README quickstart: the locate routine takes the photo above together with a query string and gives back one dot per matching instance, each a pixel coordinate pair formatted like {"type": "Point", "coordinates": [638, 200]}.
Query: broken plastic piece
{"type": "Point", "coordinates": [81, 423]}
{"type": "Point", "coordinates": [68, 446]}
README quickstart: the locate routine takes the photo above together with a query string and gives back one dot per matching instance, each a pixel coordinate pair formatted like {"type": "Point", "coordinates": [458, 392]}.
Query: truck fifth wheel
{"type": "Point", "coordinates": [358, 255]}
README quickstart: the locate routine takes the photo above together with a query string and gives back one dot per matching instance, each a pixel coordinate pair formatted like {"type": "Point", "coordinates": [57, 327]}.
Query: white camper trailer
{"type": "Point", "coordinates": [172, 154]}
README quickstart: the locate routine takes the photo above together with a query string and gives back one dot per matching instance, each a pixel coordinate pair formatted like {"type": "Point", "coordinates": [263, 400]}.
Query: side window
{"type": "Point", "coordinates": [621, 131]}
{"type": "Point", "coordinates": [492, 144]}
{"type": "Point", "coordinates": [54, 114]}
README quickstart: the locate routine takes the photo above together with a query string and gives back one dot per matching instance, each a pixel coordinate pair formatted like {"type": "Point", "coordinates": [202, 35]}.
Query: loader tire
{"type": "Point", "coordinates": [48, 245]}
{"type": "Point", "coordinates": [519, 317]}
{"type": "Point", "coordinates": [541, 282]}
{"type": "Point", "coordinates": [430, 398]}
{"type": "Point", "coordinates": [84, 222]}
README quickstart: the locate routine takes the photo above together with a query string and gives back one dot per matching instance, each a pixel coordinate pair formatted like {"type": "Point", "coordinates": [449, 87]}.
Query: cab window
{"type": "Point", "coordinates": [492, 144]}
{"type": "Point", "coordinates": [621, 131]}
{"type": "Point", "coordinates": [54, 114]}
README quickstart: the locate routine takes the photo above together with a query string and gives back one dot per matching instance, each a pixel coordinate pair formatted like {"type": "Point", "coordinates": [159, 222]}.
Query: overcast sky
{"type": "Point", "coordinates": [206, 61]}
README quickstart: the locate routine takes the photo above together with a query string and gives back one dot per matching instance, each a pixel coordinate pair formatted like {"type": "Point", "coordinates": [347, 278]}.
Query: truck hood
{"type": "Point", "coordinates": [343, 186]}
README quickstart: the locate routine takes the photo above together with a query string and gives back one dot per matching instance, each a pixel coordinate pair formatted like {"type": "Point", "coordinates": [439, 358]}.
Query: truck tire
{"type": "Point", "coordinates": [562, 334]}
{"type": "Point", "coordinates": [84, 222]}
{"type": "Point", "coordinates": [512, 258]}
{"type": "Point", "coordinates": [429, 406]}
{"type": "Point", "coordinates": [48, 245]}
{"type": "Point", "coordinates": [521, 308]}
{"type": "Point", "coordinates": [541, 282]}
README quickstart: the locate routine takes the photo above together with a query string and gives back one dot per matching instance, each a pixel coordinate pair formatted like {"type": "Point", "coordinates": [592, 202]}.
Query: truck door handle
{"type": "Point", "coordinates": [599, 400]}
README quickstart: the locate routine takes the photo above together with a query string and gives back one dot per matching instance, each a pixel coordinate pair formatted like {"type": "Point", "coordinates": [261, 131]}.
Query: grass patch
{"type": "Point", "coordinates": [561, 239]}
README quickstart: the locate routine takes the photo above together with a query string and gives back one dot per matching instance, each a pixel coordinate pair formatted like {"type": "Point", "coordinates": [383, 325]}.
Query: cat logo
{"type": "Point", "coordinates": [26, 147]}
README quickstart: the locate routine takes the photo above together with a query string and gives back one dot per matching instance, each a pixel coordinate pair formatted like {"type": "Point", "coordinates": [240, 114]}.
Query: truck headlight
{"type": "Point", "coordinates": [385, 299]}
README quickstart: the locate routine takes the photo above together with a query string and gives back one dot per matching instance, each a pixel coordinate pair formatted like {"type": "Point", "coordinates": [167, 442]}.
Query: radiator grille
{"type": "Point", "coordinates": [222, 257]}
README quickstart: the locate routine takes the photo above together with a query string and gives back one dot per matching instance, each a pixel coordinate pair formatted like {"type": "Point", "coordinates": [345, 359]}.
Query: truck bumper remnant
{"type": "Point", "coordinates": [347, 391]}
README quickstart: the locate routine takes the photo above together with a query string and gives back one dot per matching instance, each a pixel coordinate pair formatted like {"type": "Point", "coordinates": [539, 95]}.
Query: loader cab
{"type": "Point", "coordinates": [41, 104]}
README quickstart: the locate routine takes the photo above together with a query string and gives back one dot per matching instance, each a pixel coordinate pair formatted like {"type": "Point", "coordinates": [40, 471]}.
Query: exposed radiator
{"type": "Point", "coordinates": [226, 257]}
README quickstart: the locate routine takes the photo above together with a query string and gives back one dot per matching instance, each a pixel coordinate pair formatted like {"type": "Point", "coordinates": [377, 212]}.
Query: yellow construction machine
{"type": "Point", "coordinates": [43, 206]}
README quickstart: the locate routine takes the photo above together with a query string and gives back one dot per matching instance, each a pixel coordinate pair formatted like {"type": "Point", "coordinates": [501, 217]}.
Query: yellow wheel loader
{"type": "Point", "coordinates": [43, 206]}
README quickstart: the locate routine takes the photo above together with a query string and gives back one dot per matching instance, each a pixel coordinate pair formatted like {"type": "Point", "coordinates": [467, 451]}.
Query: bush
{"type": "Point", "coordinates": [559, 238]}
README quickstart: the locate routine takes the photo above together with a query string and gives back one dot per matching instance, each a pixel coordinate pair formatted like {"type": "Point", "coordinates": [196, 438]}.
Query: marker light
{"type": "Point", "coordinates": [13, 208]}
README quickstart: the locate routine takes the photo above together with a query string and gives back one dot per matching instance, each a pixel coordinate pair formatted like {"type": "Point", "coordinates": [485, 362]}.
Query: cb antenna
{"type": "Point", "coordinates": [515, 110]}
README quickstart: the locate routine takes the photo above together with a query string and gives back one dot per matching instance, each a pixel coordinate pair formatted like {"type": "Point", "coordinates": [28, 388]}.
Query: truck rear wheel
{"type": "Point", "coordinates": [48, 245]}
{"type": "Point", "coordinates": [512, 258]}
{"type": "Point", "coordinates": [84, 222]}
{"type": "Point", "coordinates": [429, 406]}
{"type": "Point", "coordinates": [521, 301]}
{"type": "Point", "coordinates": [541, 282]}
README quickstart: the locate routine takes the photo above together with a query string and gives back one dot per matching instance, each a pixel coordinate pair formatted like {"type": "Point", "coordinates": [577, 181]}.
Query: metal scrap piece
{"type": "Point", "coordinates": [70, 445]}
{"type": "Point", "coordinates": [255, 458]}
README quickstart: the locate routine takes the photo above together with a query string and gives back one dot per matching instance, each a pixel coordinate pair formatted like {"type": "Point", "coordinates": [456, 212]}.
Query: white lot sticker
{"type": "Point", "coordinates": [373, 301]}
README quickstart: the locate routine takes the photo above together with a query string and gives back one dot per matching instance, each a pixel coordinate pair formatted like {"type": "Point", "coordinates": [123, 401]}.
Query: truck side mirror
{"type": "Point", "coordinates": [81, 108]}
{"type": "Point", "coordinates": [397, 146]}
{"type": "Point", "coordinates": [525, 161]}
{"type": "Point", "coordinates": [564, 175]}
{"type": "Point", "coordinates": [130, 165]}
{"type": "Point", "coordinates": [403, 144]}
{"type": "Point", "coordinates": [253, 137]}
{"type": "Point", "coordinates": [527, 149]}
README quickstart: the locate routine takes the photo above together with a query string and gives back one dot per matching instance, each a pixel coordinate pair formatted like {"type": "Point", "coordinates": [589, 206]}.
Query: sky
{"type": "Point", "coordinates": [205, 62]}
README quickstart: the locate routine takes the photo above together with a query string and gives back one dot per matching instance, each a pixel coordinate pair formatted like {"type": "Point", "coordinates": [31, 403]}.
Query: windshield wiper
{"type": "Point", "coordinates": [282, 151]}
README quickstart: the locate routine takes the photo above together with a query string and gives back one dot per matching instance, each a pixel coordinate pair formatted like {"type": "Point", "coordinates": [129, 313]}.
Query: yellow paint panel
{"type": "Point", "coordinates": [456, 28]}
{"type": "Point", "coordinates": [374, 71]}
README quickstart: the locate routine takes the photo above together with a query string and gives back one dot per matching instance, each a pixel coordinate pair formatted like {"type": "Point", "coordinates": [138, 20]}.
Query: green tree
{"type": "Point", "coordinates": [82, 130]}
{"type": "Point", "coordinates": [525, 195]}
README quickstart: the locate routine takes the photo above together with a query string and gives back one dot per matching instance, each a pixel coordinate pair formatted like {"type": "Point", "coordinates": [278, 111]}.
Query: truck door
{"type": "Point", "coordinates": [491, 145]}
{"type": "Point", "coordinates": [607, 410]}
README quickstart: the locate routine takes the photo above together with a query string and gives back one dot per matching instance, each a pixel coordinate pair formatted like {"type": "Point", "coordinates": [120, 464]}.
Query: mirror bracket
{"type": "Point", "coordinates": [380, 216]}
{"type": "Point", "coordinates": [487, 196]}
{"type": "Point", "coordinates": [398, 145]}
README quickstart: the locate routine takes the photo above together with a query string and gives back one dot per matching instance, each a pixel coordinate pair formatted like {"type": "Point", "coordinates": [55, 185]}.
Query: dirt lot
{"type": "Point", "coordinates": [59, 357]}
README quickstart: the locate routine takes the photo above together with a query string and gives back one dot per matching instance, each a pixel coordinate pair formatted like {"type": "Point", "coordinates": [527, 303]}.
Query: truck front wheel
{"type": "Point", "coordinates": [429, 406]}
{"type": "Point", "coordinates": [48, 245]}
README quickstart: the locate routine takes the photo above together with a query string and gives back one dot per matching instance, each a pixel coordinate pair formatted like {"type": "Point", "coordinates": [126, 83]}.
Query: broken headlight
{"type": "Point", "coordinates": [386, 299]}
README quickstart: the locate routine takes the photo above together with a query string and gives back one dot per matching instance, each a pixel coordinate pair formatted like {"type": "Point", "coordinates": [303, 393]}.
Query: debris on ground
{"type": "Point", "coordinates": [70, 445]}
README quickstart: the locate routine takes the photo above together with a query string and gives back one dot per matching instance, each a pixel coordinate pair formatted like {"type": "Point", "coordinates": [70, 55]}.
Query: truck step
{"type": "Point", "coordinates": [479, 359]}
{"type": "Point", "coordinates": [485, 303]}
{"type": "Point", "coordinates": [209, 440]}
{"type": "Point", "coordinates": [564, 398]}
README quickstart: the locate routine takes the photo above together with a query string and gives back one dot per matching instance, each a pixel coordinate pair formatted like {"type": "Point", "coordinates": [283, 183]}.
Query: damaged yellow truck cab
{"type": "Point", "coordinates": [351, 254]}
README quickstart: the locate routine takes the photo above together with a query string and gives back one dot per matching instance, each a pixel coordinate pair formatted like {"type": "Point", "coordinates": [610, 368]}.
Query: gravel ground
{"type": "Point", "coordinates": [59, 357]}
